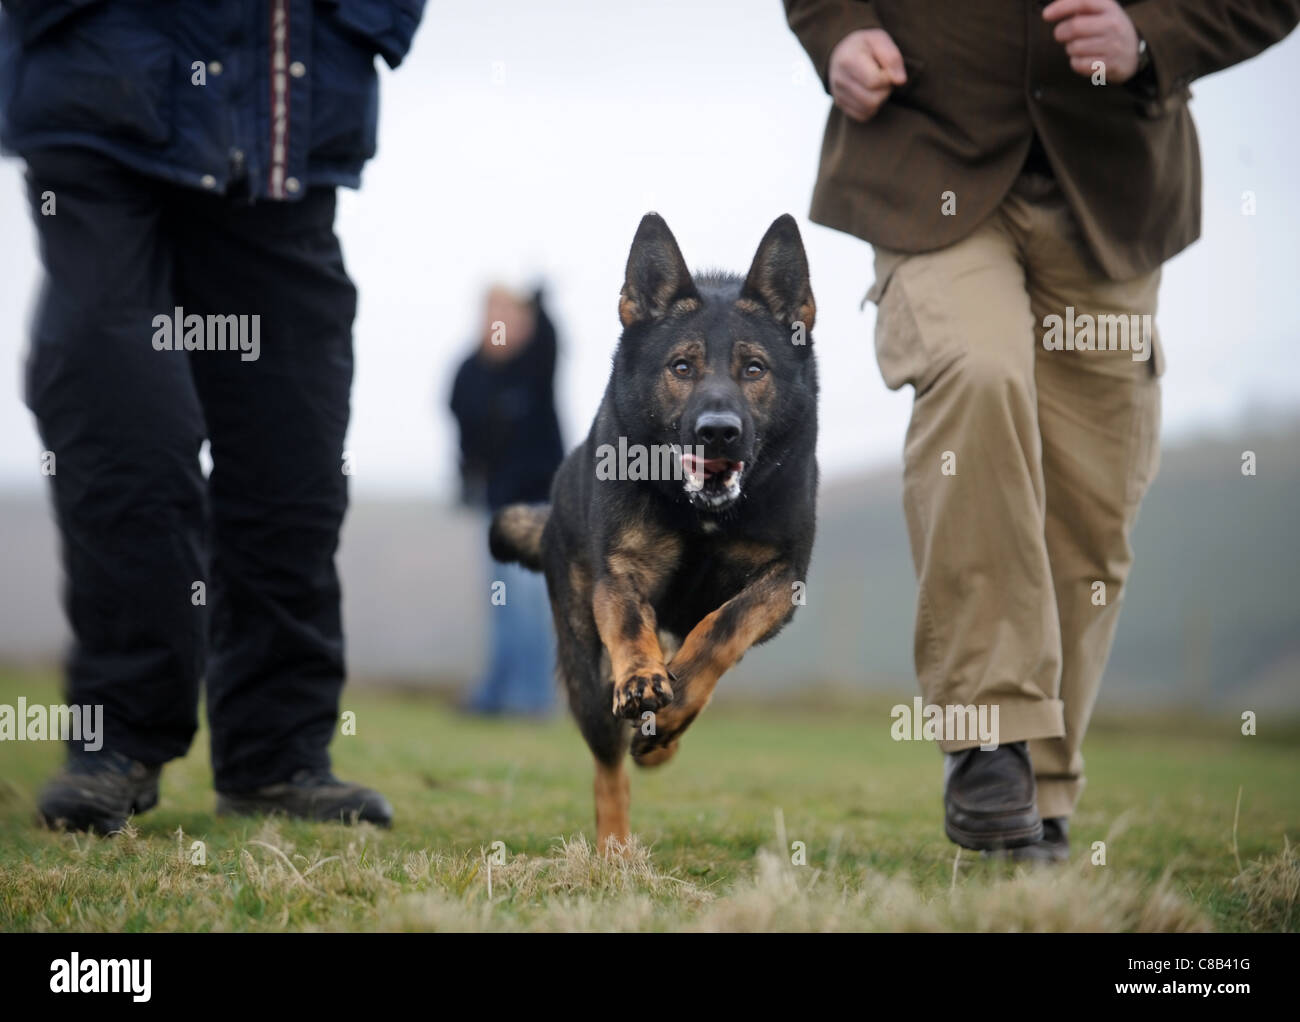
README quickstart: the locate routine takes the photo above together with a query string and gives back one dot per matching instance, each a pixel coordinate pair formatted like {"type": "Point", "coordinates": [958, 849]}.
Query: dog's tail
{"type": "Point", "coordinates": [516, 534]}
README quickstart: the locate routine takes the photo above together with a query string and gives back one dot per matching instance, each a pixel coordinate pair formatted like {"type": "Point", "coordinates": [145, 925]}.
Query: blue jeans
{"type": "Point", "coordinates": [521, 670]}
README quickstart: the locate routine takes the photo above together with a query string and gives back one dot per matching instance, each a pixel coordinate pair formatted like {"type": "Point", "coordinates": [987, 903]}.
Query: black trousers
{"type": "Point", "coordinates": [172, 578]}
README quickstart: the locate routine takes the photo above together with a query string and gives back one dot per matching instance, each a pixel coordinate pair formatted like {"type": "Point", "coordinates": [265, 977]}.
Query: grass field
{"type": "Point", "coordinates": [1162, 796]}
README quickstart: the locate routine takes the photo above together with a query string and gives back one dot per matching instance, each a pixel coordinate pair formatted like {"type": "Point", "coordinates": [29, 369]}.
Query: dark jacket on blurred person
{"type": "Point", "coordinates": [1125, 156]}
{"type": "Point", "coordinates": [169, 89]}
{"type": "Point", "coordinates": [509, 434]}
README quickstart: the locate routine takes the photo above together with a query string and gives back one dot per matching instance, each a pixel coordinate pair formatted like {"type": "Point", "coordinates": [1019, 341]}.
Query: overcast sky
{"type": "Point", "coordinates": [522, 139]}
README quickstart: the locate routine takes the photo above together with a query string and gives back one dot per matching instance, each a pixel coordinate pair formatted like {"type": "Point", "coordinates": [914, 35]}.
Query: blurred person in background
{"type": "Point", "coordinates": [182, 163]}
{"type": "Point", "coordinates": [504, 403]}
{"type": "Point", "coordinates": [1013, 165]}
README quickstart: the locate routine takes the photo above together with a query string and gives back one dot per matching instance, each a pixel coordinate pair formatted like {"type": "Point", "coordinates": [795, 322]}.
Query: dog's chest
{"type": "Point", "coordinates": [711, 570]}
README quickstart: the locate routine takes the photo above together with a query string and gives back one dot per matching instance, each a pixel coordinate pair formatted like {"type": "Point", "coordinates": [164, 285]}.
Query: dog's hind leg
{"type": "Point", "coordinates": [590, 689]}
{"type": "Point", "coordinates": [590, 692]}
{"type": "Point", "coordinates": [612, 800]}
{"type": "Point", "coordinates": [607, 737]}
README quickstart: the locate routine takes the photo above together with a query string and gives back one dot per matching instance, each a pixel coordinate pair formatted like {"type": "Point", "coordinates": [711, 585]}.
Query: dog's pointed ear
{"type": "Point", "coordinates": [656, 277]}
{"type": "Point", "coordinates": [778, 277]}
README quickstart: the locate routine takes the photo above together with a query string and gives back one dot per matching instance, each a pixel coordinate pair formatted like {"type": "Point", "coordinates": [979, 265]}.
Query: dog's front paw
{"type": "Point", "coordinates": [642, 691]}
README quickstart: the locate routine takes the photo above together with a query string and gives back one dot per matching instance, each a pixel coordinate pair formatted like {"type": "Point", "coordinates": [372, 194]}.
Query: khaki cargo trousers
{"type": "Point", "coordinates": [1024, 466]}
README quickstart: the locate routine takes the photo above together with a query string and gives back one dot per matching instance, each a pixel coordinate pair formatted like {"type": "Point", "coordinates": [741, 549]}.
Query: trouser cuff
{"type": "Point", "coordinates": [1019, 722]}
{"type": "Point", "coordinates": [1058, 796]}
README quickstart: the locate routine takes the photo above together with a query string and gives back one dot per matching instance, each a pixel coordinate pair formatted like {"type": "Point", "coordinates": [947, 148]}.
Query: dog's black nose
{"type": "Point", "coordinates": [717, 429]}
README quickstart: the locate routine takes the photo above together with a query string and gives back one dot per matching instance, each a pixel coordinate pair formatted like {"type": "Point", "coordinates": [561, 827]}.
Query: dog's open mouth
{"type": "Point", "coordinates": [712, 481]}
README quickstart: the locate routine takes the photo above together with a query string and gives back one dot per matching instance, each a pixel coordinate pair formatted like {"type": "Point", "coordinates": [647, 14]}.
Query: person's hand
{"type": "Point", "coordinates": [1095, 30]}
{"type": "Point", "coordinates": [865, 67]}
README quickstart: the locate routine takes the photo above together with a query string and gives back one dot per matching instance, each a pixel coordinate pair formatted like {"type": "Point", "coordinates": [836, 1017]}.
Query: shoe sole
{"type": "Point", "coordinates": [1040, 859]}
{"type": "Point", "coordinates": [232, 806]}
{"type": "Point", "coordinates": [1000, 841]}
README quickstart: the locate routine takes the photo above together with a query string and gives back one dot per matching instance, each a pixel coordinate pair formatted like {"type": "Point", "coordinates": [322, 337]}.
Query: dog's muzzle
{"type": "Point", "coordinates": [712, 482]}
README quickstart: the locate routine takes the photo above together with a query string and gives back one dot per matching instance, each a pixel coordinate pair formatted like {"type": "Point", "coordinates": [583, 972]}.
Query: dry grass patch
{"type": "Point", "coordinates": [1271, 885]}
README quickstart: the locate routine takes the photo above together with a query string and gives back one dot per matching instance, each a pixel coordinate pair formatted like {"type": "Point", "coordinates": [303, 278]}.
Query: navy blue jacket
{"type": "Point", "coordinates": [204, 92]}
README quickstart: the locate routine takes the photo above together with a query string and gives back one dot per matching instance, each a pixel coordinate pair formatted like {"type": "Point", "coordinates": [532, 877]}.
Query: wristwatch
{"type": "Point", "coordinates": [1144, 56]}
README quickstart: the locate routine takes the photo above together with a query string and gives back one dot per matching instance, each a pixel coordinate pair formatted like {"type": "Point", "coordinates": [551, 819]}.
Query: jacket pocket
{"type": "Point", "coordinates": [386, 26]}
{"type": "Point", "coordinates": [36, 17]}
{"type": "Point", "coordinates": [367, 19]}
{"type": "Point", "coordinates": [345, 92]}
{"type": "Point", "coordinates": [100, 73]}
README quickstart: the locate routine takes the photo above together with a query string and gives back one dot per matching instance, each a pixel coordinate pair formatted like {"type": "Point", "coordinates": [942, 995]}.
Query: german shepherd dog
{"type": "Point", "coordinates": [709, 558]}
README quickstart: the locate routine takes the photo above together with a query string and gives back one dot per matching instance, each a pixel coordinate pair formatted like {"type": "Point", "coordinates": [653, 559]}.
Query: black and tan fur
{"type": "Point", "coordinates": [713, 363]}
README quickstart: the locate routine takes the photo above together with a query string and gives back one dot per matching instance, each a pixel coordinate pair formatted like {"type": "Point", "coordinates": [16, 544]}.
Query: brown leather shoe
{"type": "Point", "coordinates": [990, 798]}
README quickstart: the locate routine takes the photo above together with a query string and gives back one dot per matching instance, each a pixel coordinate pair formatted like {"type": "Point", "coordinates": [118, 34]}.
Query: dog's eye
{"type": "Point", "coordinates": [681, 368]}
{"type": "Point", "coordinates": [754, 370]}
